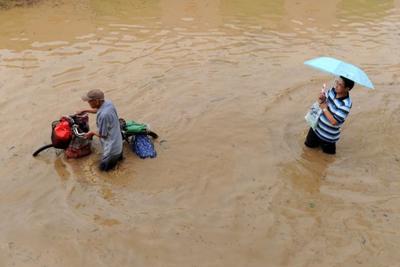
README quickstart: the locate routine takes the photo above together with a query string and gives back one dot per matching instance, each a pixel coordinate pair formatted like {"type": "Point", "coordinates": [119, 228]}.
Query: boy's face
{"type": "Point", "coordinates": [340, 87]}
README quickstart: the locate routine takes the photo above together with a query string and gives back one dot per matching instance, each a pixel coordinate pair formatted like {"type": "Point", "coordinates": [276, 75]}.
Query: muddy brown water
{"type": "Point", "coordinates": [224, 85]}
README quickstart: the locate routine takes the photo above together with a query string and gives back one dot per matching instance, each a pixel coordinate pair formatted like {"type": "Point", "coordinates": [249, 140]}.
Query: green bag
{"type": "Point", "coordinates": [133, 127]}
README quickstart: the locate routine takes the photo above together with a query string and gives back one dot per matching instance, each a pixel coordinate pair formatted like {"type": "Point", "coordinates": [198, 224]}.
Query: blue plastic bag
{"type": "Point", "coordinates": [143, 146]}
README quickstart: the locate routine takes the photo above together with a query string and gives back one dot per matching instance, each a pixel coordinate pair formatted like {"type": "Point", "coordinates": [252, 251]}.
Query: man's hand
{"type": "Point", "coordinates": [83, 111]}
{"type": "Point", "coordinates": [80, 112]}
{"type": "Point", "coordinates": [89, 135]}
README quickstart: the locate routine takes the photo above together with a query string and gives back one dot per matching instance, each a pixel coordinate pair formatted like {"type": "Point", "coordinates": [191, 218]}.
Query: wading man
{"type": "Point", "coordinates": [108, 126]}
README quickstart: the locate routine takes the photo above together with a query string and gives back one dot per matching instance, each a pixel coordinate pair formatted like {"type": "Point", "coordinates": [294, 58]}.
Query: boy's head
{"type": "Point", "coordinates": [343, 85]}
{"type": "Point", "coordinates": [347, 83]}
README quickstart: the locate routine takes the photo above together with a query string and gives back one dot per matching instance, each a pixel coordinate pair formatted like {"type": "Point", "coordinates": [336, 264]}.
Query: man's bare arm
{"type": "Point", "coordinates": [93, 111]}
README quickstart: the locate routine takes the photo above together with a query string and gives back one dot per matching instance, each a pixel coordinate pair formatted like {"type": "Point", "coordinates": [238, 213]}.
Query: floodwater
{"type": "Point", "coordinates": [224, 85]}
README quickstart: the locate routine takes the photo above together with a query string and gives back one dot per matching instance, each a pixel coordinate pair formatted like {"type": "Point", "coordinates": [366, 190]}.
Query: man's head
{"type": "Point", "coordinates": [94, 97]}
{"type": "Point", "coordinates": [343, 85]}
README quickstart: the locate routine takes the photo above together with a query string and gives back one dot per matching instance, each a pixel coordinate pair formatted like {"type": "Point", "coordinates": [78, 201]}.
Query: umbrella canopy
{"type": "Point", "coordinates": [340, 68]}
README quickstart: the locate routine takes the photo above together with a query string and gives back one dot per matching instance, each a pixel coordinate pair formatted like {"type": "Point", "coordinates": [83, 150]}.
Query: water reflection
{"type": "Point", "coordinates": [24, 28]}
{"type": "Point", "coordinates": [125, 9]}
{"type": "Point", "coordinates": [257, 9]}
{"type": "Point", "coordinates": [364, 10]}
{"type": "Point", "coordinates": [192, 14]}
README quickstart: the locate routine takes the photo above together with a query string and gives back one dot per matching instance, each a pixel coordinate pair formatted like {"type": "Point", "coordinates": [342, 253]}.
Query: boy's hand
{"type": "Point", "coordinates": [322, 96]}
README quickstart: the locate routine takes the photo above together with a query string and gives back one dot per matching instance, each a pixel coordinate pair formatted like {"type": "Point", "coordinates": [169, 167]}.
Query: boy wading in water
{"type": "Point", "coordinates": [109, 131]}
{"type": "Point", "coordinates": [335, 105]}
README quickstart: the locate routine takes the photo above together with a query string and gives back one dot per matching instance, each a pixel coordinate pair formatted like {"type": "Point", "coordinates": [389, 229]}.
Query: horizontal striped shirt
{"type": "Point", "coordinates": [339, 108]}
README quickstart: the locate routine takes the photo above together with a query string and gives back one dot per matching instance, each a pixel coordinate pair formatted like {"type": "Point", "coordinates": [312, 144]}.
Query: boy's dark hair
{"type": "Point", "coordinates": [347, 83]}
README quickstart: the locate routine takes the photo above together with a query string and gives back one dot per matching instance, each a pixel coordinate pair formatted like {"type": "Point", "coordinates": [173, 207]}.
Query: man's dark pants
{"type": "Point", "coordinates": [312, 140]}
{"type": "Point", "coordinates": [110, 162]}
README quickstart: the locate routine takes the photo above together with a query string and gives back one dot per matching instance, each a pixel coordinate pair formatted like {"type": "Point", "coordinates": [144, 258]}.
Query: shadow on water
{"type": "Point", "coordinates": [309, 170]}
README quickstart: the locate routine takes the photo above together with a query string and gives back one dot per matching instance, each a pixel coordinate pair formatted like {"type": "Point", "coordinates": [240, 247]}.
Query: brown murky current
{"type": "Point", "coordinates": [224, 85]}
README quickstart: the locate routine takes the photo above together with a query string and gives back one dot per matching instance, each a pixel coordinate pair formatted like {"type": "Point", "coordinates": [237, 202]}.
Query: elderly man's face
{"type": "Point", "coordinates": [95, 103]}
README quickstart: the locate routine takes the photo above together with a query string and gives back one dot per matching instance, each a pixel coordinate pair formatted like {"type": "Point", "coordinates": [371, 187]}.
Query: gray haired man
{"type": "Point", "coordinates": [109, 131]}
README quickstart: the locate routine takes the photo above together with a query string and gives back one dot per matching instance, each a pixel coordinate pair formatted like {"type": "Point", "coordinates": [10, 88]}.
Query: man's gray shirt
{"type": "Point", "coordinates": [109, 129]}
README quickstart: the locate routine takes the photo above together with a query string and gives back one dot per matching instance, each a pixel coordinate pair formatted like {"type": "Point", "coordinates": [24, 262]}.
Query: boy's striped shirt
{"type": "Point", "coordinates": [339, 108]}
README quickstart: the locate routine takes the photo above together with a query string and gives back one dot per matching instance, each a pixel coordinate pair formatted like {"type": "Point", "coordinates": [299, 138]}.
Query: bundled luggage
{"type": "Point", "coordinates": [67, 133]}
{"type": "Point", "coordinates": [137, 135]}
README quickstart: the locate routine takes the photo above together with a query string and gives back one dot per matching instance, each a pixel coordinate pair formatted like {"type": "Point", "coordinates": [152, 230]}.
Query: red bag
{"type": "Point", "coordinates": [78, 147]}
{"type": "Point", "coordinates": [61, 134]}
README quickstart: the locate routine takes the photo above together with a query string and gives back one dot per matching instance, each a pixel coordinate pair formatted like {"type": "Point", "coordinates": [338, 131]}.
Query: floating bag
{"type": "Point", "coordinates": [143, 146]}
{"type": "Point", "coordinates": [61, 133]}
{"type": "Point", "coordinates": [137, 135]}
{"type": "Point", "coordinates": [78, 147]}
{"type": "Point", "coordinates": [132, 127]}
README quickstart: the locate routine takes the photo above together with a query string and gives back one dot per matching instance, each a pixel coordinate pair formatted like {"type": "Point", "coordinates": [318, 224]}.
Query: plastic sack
{"type": "Point", "coordinates": [133, 127]}
{"type": "Point", "coordinates": [61, 133]}
{"type": "Point", "coordinates": [78, 147]}
{"type": "Point", "coordinates": [143, 146]}
{"type": "Point", "coordinates": [313, 114]}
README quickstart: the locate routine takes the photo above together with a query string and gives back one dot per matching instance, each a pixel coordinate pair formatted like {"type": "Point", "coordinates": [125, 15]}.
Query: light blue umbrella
{"type": "Point", "coordinates": [340, 68]}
